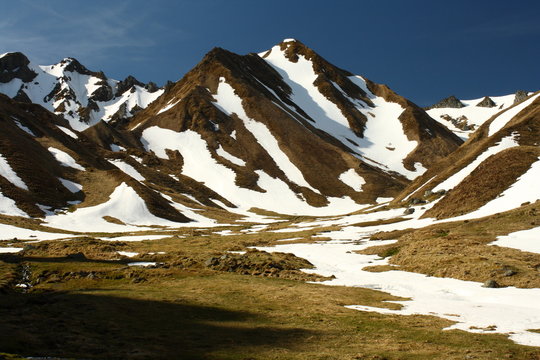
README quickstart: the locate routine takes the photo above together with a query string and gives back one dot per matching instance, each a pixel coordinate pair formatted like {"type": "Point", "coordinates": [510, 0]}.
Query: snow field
{"type": "Point", "coordinates": [525, 189]}
{"type": "Point", "coordinates": [505, 117]}
{"type": "Point", "coordinates": [201, 166]}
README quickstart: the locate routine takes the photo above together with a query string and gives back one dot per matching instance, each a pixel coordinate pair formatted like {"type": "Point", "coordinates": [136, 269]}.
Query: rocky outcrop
{"type": "Point", "coordinates": [520, 96]}
{"type": "Point", "coordinates": [73, 65]}
{"type": "Point", "coordinates": [15, 65]}
{"type": "Point", "coordinates": [103, 93]}
{"type": "Point", "coordinates": [449, 102]}
{"type": "Point", "coordinates": [486, 102]}
{"type": "Point", "coordinates": [127, 84]}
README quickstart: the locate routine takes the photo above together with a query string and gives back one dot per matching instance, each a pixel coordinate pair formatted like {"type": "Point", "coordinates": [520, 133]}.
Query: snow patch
{"type": "Point", "coordinates": [169, 106]}
{"type": "Point", "coordinates": [124, 204]}
{"type": "Point", "coordinates": [10, 250]}
{"type": "Point", "coordinates": [9, 207]}
{"type": "Point", "coordinates": [9, 232]}
{"type": "Point", "coordinates": [128, 169]}
{"type": "Point", "coordinates": [10, 175]}
{"type": "Point", "coordinates": [68, 132]}
{"type": "Point", "coordinates": [117, 148]}
{"type": "Point", "coordinates": [22, 127]}
{"type": "Point", "coordinates": [143, 263]}
{"type": "Point", "coordinates": [221, 152]}
{"type": "Point", "coordinates": [65, 159]}
{"type": "Point", "coordinates": [127, 253]}
{"type": "Point", "coordinates": [525, 240]}
{"type": "Point", "coordinates": [70, 185]}
{"type": "Point", "coordinates": [352, 179]}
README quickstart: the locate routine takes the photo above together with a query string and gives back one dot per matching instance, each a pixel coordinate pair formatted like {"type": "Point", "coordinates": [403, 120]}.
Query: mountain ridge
{"type": "Point", "coordinates": [240, 132]}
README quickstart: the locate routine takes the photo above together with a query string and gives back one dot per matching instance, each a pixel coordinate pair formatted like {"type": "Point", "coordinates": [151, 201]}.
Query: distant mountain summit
{"type": "Point", "coordinates": [464, 117]}
{"type": "Point", "coordinates": [81, 96]}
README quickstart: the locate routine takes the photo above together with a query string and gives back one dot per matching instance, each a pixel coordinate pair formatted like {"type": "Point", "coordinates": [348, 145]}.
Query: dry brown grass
{"type": "Point", "coordinates": [214, 315]}
{"type": "Point", "coordinates": [486, 182]}
{"type": "Point", "coordinates": [186, 308]}
{"type": "Point", "coordinates": [460, 249]}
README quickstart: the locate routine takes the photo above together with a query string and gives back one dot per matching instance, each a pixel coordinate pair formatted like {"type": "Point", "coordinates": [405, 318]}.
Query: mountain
{"type": "Point", "coordinates": [81, 96]}
{"type": "Point", "coordinates": [494, 171]}
{"type": "Point", "coordinates": [47, 169]}
{"type": "Point", "coordinates": [288, 119]}
{"type": "Point", "coordinates": [463, 117]}
{"type": "Point", "coordinates": [282, 131]}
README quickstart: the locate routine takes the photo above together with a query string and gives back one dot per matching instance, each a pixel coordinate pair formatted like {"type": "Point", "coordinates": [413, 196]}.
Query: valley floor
{"type": "Point", "coordinates": [238, 292]}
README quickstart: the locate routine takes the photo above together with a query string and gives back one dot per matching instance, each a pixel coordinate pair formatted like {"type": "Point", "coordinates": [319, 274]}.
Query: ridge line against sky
{"type": "Point", "coordinates": [424, 50]}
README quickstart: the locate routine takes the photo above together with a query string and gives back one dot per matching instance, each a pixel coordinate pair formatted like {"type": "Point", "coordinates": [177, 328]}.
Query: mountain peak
{"type": "Point", "coordinates": [449, 102]}
{"type": "Point", "coordinates": [73, 65]}
{"type": "Point", "coordinates": [289, 41]}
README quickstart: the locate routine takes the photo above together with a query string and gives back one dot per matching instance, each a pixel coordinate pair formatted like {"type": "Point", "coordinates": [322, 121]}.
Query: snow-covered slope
{"type": "Point", "coordinates": [463, 117]}
{"type": "Point", "coordinates": [386, 149]}
{"type": "Point", "coordinates": [368, 118]}
{"type": "Point", "coordinates": [492, 172]}
{"type": "Point", "coordinates": [69, 89]}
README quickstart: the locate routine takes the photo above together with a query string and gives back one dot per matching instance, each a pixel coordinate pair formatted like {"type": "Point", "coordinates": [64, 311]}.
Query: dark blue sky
{"type": "Point", "coordinates": [424, 50]}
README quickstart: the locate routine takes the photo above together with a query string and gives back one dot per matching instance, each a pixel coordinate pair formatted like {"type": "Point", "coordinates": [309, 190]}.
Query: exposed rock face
{"type": "Point", "coordinates": [15, 65]}
{"type": "Point", "coordinates": [520, 96]}
{"type": "Point", "coordinates": [461, 122]}
{"type": "Point", "coordinates": [449, 102]}
{"type": "Point", "coordinates": [73, 65]}
{"type": "Point", "coordinates": [103, 93]}
{"type": "Point", "coordinates": [127, 84]}
{"type": "Point", "coordinates": [151, 87]}
{"type": "Point", "coordinates": [486, 102]}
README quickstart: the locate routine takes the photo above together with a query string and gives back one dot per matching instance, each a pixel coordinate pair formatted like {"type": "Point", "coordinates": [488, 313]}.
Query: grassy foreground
{"type": "Point", "coordinates": [86, 303]}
